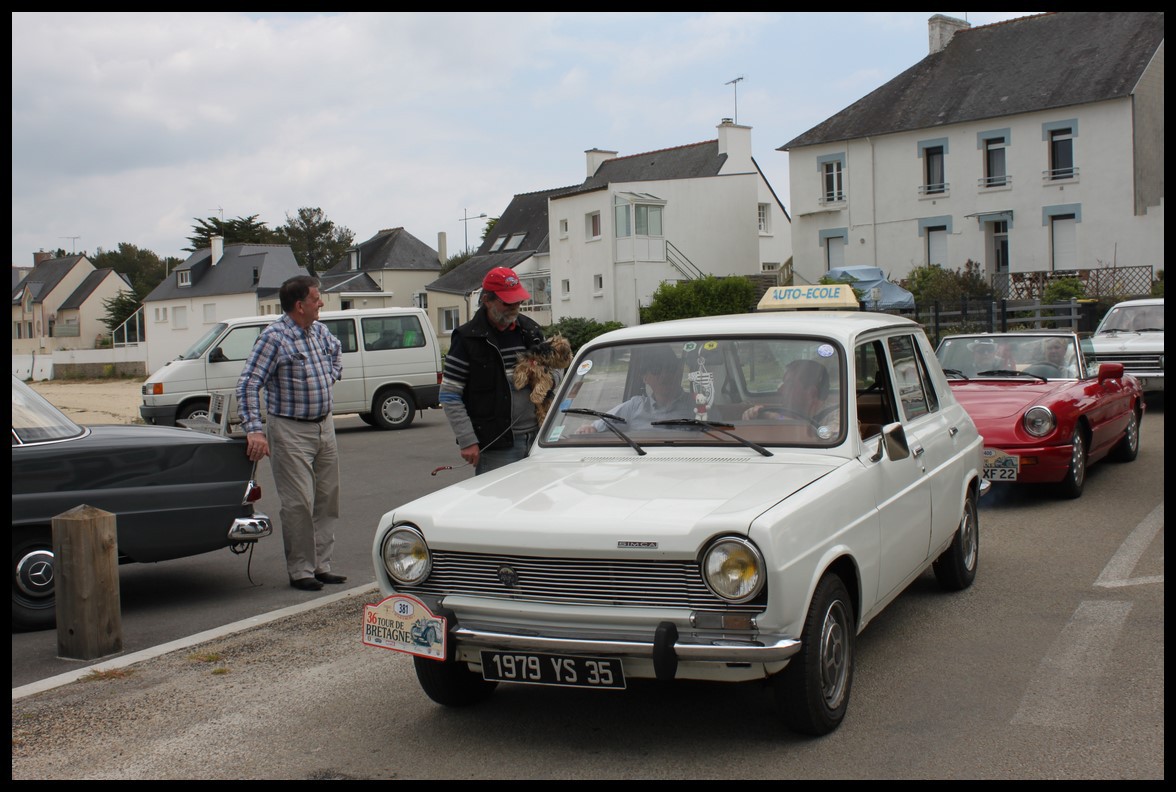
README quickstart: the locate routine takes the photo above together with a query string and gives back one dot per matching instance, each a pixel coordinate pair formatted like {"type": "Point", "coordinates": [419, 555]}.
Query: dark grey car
{"type": "Point", "coordinates": [174, 493]}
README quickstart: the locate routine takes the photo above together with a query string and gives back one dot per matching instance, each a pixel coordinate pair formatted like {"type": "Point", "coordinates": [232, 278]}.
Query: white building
{"type": "Point", "coordinates": [1034, 145]}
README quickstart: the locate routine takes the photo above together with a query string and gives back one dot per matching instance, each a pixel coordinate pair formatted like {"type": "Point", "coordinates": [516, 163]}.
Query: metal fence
{"type": "Point", "coordinates": [1107, 283]}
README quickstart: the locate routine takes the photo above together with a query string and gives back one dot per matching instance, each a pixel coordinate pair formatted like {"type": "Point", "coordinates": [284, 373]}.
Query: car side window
{"type": "Point", "coordinates": [392, 332]}
{"type": "Point", "coordinates": [344, 330]}
{"type": "Point", "coordinates": [916, 392]}
{"type": "Point", "coordinates": [238, 342]}
{"type": "Point", "coordinates": [875, 400]}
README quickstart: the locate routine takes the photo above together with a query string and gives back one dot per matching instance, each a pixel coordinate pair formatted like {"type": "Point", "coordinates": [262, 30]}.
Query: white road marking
{"type": "Point", "coordinates": [1116, 573]}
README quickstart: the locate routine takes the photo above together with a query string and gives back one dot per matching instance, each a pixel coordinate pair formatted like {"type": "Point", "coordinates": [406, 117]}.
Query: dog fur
{"type": "Point", "coordinates": [535, 368]}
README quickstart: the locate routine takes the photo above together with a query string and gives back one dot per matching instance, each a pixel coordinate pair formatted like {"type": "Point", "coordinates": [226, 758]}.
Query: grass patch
{"type": "Point", "coordinates": [102, 674]}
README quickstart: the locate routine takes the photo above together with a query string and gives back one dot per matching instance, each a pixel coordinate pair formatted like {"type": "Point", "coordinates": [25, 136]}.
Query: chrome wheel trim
{"type": "Point", "coordinates": [834, 660]}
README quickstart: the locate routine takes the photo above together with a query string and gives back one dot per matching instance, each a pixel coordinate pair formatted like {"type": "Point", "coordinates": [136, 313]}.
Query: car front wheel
{"type": "Point", "coordinates": [1128, 448]}
{"type": "Point", "coordinates": [1071, 486]}
{"type": "Point", "coordinates": [812, 692]}
{"type": "Point", "coordinates": [452, 684]}
{"type": "Point", "coordinates": [955, 569]}
{"type": "Point", "coordinates": [33, 600]}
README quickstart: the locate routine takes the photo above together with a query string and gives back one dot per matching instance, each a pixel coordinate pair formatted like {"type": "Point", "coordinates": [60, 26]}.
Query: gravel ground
{"type": "Point", "coordinates": [96, 401]}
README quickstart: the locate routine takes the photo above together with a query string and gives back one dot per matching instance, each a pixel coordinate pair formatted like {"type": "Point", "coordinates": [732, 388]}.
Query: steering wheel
{"type": "Point", "coordinates": [1044, 369]}
{"type": "Point", "coordinates": [784, 412]}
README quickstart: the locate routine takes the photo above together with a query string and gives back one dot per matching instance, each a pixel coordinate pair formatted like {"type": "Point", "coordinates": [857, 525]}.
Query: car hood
{"type": "Point", "coordinates": [594, 505]}
{"type": "Point", "coordinates": [1128, 341]}
{"type": "Point", "coordinates": [997, 401]}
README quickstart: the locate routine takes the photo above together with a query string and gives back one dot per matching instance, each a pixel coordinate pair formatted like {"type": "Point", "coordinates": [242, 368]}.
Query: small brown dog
{"type": "Point", "coordinates": [534, 368]}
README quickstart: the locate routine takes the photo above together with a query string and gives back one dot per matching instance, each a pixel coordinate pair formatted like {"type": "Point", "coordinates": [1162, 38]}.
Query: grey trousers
{"type": "Point", "coordinates": [304, 458]}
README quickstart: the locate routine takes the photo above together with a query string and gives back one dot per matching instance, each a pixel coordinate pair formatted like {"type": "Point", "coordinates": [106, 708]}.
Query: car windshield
{"type": "Point", "coordinates": [754, 392]}
{"type": "Point", "coordinates": [1030, 356]}
{"type": "Point", "coordinates": [201, 346]}
{"type": "Point", "coordinates": [1134, 319]}
{"type": "Point", "coordinates": [35, 420]}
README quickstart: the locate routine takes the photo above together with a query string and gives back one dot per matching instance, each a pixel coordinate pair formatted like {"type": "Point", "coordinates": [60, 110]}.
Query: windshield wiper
{"type": "Point", "coordinates": [609, 419]}
{"type": "Point", "coordinates": [955, 373]}
{"type": "Point", "coordinates": [1010, 373]}
{"type": "Point", "coordinates": [721, 428]}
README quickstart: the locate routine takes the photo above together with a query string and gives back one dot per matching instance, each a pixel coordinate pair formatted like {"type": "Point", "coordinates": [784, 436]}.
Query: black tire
{"type": "Point", "coordinates": [193, 409]}
{"type": "Point", "coordinates": [955, 569]}
{"type": "Point", "coordinates": [368, 419]}
{"type": "Point", "coordinates": [393, 409]}
{"type": "Point", "coordinates": [34, 605]}
{"type": "Point", "coordinates": [1128, 448]}
{"type": "Point", "coordinates": [451, 684]}
{"type": "Point", "coordinates": [1071, 486]}
{"type": "Point", "coordinates": [812, 692]}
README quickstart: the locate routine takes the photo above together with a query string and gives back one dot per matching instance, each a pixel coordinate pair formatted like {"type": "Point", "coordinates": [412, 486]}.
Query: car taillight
{"type": "Point", "coordinates": [252, 492]}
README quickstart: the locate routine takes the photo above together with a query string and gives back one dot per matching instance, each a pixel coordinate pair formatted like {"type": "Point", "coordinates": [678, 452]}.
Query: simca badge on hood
{"type": "Point", "coordinates": [642, 545]}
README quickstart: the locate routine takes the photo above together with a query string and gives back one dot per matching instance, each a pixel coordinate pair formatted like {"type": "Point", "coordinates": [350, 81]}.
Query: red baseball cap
{"type": "Point", "coordinates": [504, 283]}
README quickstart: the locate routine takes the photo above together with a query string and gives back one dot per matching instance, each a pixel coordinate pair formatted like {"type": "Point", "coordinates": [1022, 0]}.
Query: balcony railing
{"type": "Point", "coordinates": [1059, 174]}
{"type": "Point", "coordinates": [935, 189]}
{"type": "Point", "coordinates": [994, 181]}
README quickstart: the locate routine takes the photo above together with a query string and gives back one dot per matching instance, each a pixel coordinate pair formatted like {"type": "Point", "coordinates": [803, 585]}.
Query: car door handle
{"type": "Point", "coordinates": [917, 450]}
{"type": "Point", "coordinates": [953, 431]}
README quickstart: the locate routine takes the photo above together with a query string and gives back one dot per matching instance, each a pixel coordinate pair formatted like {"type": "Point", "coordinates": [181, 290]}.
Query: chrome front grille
{"type": "Point", "coordinates": [571, 581]}
{"type": "Point", "coordinates": [1134, 363]}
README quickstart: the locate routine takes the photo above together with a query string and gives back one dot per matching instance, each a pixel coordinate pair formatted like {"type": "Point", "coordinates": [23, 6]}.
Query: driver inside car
{"type": "Point", "coordinates": [803, 390]}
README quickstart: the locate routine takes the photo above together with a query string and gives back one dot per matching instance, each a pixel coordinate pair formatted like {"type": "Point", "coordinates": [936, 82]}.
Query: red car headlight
{"type": "Point", "coordinates": [1039, 421]}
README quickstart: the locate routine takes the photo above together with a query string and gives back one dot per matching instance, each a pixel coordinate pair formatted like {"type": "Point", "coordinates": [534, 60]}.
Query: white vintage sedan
{"type": "Point", "coordinates": [730, 499]}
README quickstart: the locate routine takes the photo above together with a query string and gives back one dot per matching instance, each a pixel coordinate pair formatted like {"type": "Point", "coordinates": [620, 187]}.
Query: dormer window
{"type": "Point", "coordinates": [515, 240]}
{"type": "Point", "coordinates": [184, 278]}
{"type": "Point", "coordinates": [497, 245]}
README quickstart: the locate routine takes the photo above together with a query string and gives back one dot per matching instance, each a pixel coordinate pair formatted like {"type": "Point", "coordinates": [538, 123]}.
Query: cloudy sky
{"type": "Point", "coordinates": [126, 127]}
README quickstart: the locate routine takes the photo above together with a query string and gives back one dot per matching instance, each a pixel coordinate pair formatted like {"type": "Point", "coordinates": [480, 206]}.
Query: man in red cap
{"type": "Point", "coordinates": [494, 422]}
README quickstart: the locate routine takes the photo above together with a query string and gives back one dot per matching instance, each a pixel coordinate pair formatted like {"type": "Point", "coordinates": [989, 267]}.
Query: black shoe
{"type": "Point", "coordinates": [306, 584]}
{"type": "Point", "coordinates": [329, 577]}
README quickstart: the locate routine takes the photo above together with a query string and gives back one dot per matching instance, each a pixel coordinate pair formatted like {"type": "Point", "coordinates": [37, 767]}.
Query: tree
{"type": "Point", "coordinates": [579, 331]}
{"type": "Point", "coordinates": [143, 268]}
{"type": "Point", "coordinates": [455, 261]}
{"type": "Point", "coordinates": [709, 296]}
{"type": "Point", "coordinates": [934, 283]}
{"type": "Point", "coordinates": [318, 244]}
{"type": "Point", "coordinates": [119, 308]}
{"type": "Point", "coordinates": [242, 230]}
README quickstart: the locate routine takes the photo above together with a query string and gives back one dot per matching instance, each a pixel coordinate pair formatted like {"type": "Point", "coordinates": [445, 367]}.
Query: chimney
{"type": "Point", "coordinates": [41, 255]}
{"type": "Point", "coordinates": [217, 245]}
{"type": "Point", "coordinates": [596, 158]}
{"type": "Point", "coordinates": [940, 30]}
{"type": "Point", "coordinates": [735, 142]}
{"type": "Point", "coordinates": [442, 248]}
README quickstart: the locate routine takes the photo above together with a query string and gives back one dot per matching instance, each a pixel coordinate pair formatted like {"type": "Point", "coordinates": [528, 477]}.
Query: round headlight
{"type": "Point", "coordinates": [1039, 421]}
{"type": "Point", "coordinates": [733, 569]}
{"type": "Point", "coordinates": [406, 556]}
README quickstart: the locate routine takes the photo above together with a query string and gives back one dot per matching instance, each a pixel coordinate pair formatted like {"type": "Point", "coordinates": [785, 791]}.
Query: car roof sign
{"type": "Point", "coordinates": [837, 296]}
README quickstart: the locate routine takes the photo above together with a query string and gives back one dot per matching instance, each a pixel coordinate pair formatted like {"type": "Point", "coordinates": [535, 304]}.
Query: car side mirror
{"type": "Point", "coordinates": [894, 440]}
{"type": "Point", "coordinates": [1108, 371]}
{"type": "Point", "coordinates": [217, 356]}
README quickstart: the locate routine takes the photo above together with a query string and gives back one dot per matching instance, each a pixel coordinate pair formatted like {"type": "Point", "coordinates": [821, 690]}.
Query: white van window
{"type": "Point", "coordinates": [238, 343]}
{"type": "Point", "coordinates": [344, 330]}
{"type": "Point", "coordinates": [392, 332]}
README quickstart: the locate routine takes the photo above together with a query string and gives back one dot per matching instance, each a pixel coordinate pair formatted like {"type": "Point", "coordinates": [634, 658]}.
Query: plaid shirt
{"type": "Point", "coordinates": [296, 368]}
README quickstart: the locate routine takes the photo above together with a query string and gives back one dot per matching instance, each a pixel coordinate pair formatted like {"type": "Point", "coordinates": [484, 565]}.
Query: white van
{"type": "Point", "coordinates": [391, 367]}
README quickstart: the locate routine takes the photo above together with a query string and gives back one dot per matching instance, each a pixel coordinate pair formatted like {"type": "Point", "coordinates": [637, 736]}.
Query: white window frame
{"type": "Point", "coordinates": [592, 226]}
{"type": "Point", "coordinates": [184, 278]}
{"type": "Point", "coordinates": [180, 317]}
{"type": "Point", "coordinates": [833, 182]}
{"type": "Point", "coordinates": [764, 218]}
{"type": "Point", "coordinates": [497, 244]}
{"type": "Point", "coordinates": [450, 318]}
{"type": "Point", "coordinates": [515, 241]}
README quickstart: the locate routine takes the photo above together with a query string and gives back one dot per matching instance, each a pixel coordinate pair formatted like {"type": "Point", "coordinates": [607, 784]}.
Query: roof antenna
{"type": "Point", "coordinates": [735, 83]}
{"type": "Point", "coordinates": [72, 239]}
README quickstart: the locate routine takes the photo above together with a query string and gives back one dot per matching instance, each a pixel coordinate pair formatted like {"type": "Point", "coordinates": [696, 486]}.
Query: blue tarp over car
{"type": "Point", "coordinates": [893, 298]}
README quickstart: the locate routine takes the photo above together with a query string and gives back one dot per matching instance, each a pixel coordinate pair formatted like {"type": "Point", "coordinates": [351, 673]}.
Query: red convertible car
{"type": "Point", "coordinates": [1045, 410]}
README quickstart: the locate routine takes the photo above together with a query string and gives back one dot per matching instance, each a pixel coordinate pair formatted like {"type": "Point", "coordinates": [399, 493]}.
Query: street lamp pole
{"type": "Point", "coordinates": [466, 220]}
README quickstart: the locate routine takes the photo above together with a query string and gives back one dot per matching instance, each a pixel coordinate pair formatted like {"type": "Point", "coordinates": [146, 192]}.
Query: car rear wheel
{"type": "Point", "coordinates": [33, 601]}
{"type": "Point", "coordinates": [1128, 448]}
{"type": "Point", "coordinates": [451, 684]}
{"type": "Point", "coordinates": [812, 692]}
{"type": "Point", "coordinates": [393, 410]}
{"type": "Point", "coordinates": [955, 569]}
{"type": "Point", "coordinates": [1071, 486]}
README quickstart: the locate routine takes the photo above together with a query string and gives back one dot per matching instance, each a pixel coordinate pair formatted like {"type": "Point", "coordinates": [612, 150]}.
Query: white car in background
{"type": "Point", "coordinates": [715, 544]}
{"type": "Point", "coordinates": [1132, 333]}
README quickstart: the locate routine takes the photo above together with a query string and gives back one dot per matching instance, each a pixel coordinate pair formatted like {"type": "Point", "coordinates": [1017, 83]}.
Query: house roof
{"type": "Point", "coordinates": [233, 274]}
{"type": "Point", "coordinates": [44, 277]}
{"type": "Point", "coordinates": [347, 282]}
{"type": "Point", "coordinates": [92, 282]}
{"type": "Point", "coordinates": [1043, 62]}
{"type": "Point", "coordinates": [390, 249]}
{"type": "Point", "coordinates": [526, 215]}
{"type": "Point", "coordinates": [692, 161]}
